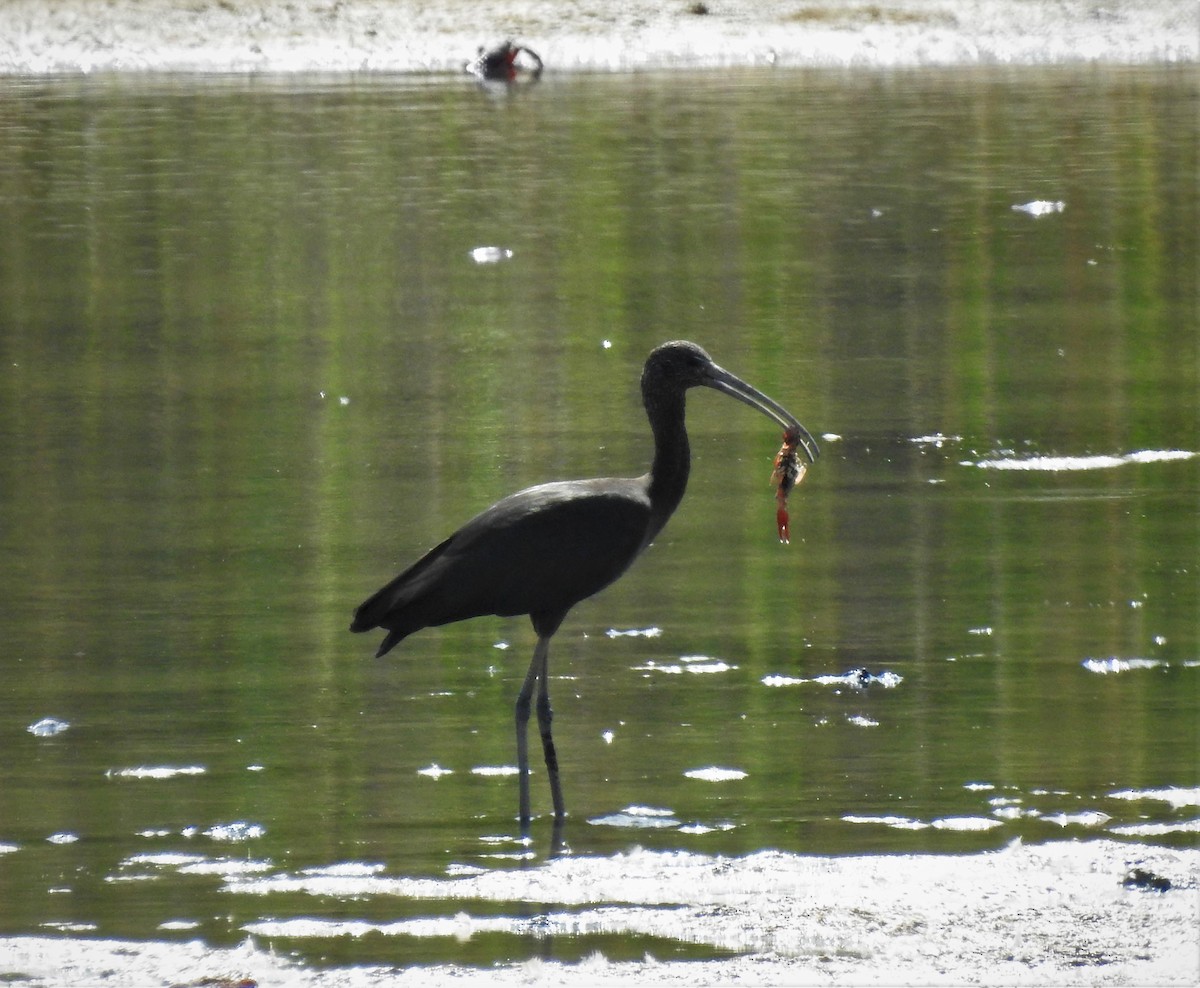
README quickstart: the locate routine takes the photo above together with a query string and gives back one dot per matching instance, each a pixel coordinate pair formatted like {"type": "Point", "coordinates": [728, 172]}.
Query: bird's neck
{"type": "Point", "coordinates": [672, 456]}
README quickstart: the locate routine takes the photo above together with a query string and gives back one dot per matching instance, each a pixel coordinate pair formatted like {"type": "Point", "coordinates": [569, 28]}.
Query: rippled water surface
{"type": "Point", "coordinates": [263, 342]}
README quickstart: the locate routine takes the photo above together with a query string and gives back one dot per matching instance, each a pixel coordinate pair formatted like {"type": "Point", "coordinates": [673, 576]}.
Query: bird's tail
{"type": "Point", "coordinates": [365, 616]}
{"type": "Point", "coordinates": [388, 607]}
{"type": "Point", "coordinates": [364, 620]}
{"type": "Point", "coordinates": [391, 641]}
{"type": "Point", "coordinates": [385, 609]}
{"type": "Point", "coordinates": [385, 603]}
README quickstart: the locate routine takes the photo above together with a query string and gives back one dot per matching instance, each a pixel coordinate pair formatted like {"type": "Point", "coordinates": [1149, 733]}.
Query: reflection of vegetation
{"type": "Point", "coordinates": [186, 270]}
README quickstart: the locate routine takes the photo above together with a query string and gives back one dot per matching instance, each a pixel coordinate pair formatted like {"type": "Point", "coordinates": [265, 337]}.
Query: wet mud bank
{"type": "Point", "coordinates": [1066, 913]}
{"type": "Point", "coordinates": [70, 36]}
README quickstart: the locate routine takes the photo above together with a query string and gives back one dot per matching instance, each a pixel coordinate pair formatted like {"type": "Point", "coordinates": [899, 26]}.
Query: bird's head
{"type": "Point", "coordinates": [674, 367]}
{"type": "Point", "coordinates": [677, 365]}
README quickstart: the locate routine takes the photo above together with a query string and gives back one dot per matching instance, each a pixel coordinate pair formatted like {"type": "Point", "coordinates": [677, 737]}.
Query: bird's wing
{"type": "Point", "coordinates": [539, 551]}
{"type": "Point", "coordinates": [374, 611]}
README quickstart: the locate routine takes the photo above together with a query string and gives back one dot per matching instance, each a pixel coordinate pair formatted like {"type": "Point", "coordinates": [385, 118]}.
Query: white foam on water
{"type": "Point", "coordinates": [1105, 461]}
{"type": "Point", "coordinates": [715, 774]}
{"type": "Point", "coordinates": [155, 771]}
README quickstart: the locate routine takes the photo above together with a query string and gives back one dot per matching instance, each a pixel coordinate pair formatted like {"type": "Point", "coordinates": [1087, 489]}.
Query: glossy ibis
{"type": "Point", "coordinates": [544, 549]}
{"type": "Point", "coordinates": [504, 63]}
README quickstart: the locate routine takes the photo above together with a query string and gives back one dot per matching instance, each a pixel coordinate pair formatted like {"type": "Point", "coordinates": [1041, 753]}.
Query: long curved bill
{"type": "Point", "coordinates": [721, 380]}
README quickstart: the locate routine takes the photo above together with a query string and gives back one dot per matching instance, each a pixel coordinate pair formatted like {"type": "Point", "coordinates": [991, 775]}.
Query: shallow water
{"type": "Point", "coordinates": [254, 361]}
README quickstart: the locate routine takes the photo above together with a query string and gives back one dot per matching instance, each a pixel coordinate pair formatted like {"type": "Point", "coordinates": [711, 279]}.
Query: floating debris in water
{"type": "Point", "coordinates": [235, 832]}
{"type": "Point", "coordinates": [651, 632]}
{"type": "Point", "coordinates": [1157, 829]}
{"type": "Point", "coordinates": [498, 839]}
{"type": "Point", "coordinates": [965, 823]}
{"type": "Point", "coordinates": [47, 727]}
{"type": "Point", "coordinates": [154, 772]}
{"type": "Point", "coordinates": [490, 255]}
{"type": "Point", "coordinates": [164, 859]}
{"type": "Point", "coordinates": [9, 848]}
{"type": "Point", "coordinates": [698, 664]}
{"type": "Point", "coordinates": [1013, 812]}
{"type": "Point", "coordinates": [1068, 463]}
{"type": "Point", "coordinates": [1175, 795]}
{"type": "Point", "coordinates": [178, 924]}
{"type": "Point", "coordinates": [1085, 818]}
{"type": "Point", "coordinates": [227, 868]}
{"type": "Point", "coordinates": [699, 829]}
{"type": "Point", "coordinates": [435, 771]}
{"type": "Point", "coordinates": [644, 817]}
{"type": "Point", "coordinates": [961, 823]}
{"type": "Point", "coordinates": [895, 822]}
{"type": "Point", "coordinates": [715, 774]}
{"type": "Point", "coordinates": [860, 721]}
{"type": "Point", "coordinates": [1040, 207]}
{"type": "Point", "coordinates": [344, 869]}
{"type": "Point", "coordinates": [857, 679]}
{"type": "Point", "coordinates": [495, 770]}
{"type": "Point", "coordinates": [66, 926]}
{"type": "Point", "coordinates": [64, 837]}
{"type": "Point", "coordinates": [456, 869]}
{"type": "Point", "coordinates": [1113, 665]}
{"type": "Point", "coordinates": [936, 440]}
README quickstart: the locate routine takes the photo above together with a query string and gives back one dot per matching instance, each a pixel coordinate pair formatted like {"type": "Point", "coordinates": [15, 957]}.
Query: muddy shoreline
{"type": "Point", "coordinates": [75, 36]}
{"type": "Point", "coordinates": [1063, 913]}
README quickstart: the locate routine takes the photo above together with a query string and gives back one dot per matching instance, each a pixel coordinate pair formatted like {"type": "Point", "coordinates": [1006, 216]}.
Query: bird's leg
{"type": "Point", "coordinates": [539, 674]}
{"type": "Point", "coordinates": [545, 716]}
{"type": "Point", "coordinates": [523, 701]}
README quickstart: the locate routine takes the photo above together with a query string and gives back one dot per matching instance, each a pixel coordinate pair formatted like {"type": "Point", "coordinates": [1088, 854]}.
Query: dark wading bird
{"type": "Point", "coordinates": [506, 63]}
{"type": "Point", "coordinates": [544, 549]}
